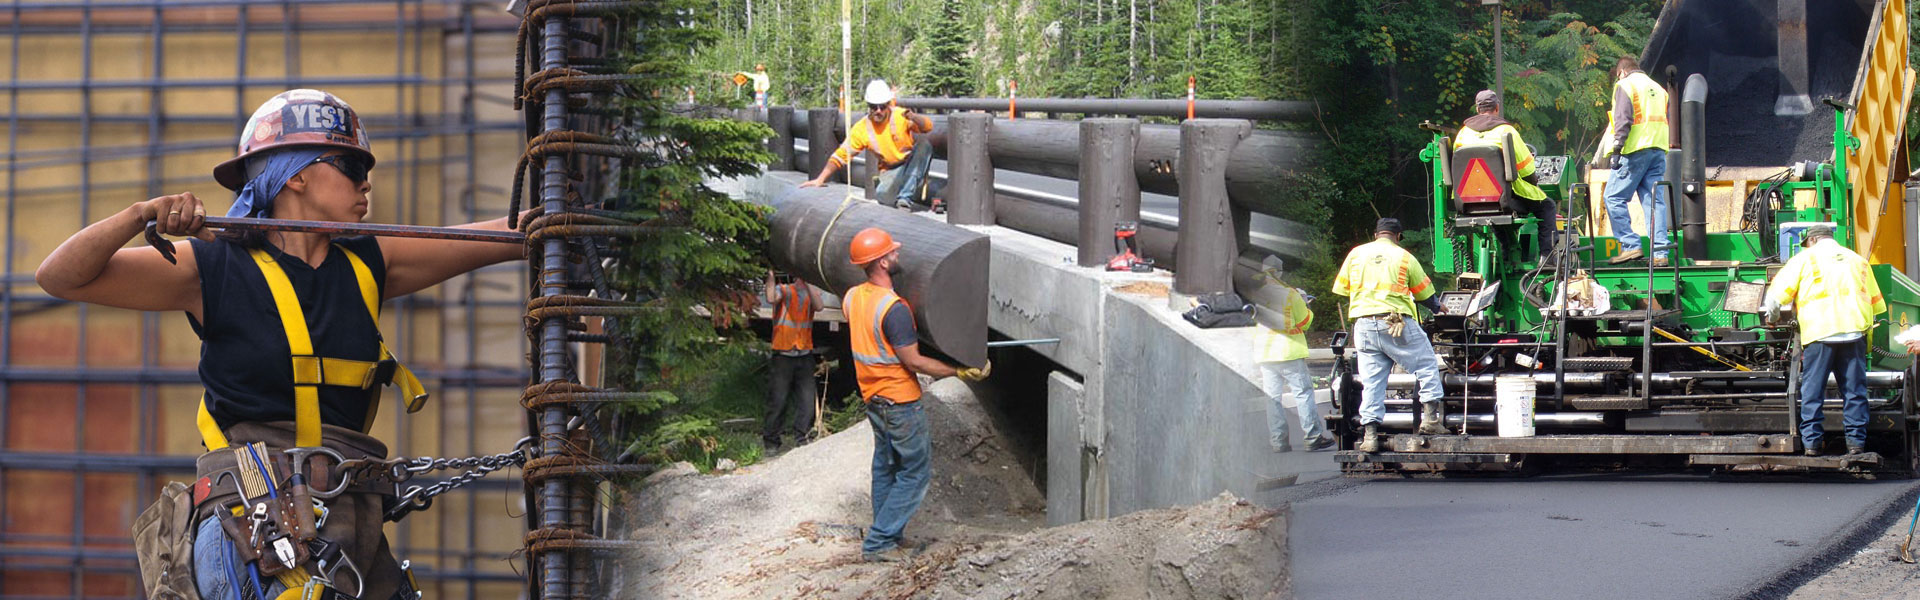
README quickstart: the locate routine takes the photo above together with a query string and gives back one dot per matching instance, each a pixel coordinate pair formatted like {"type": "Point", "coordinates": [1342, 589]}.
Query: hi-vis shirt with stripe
{"type": "Point", "coordinates": [1649, 105]}
{"type": "Point", "coordinates": [1522, 156]}
{"type": "Point", "coordinates": [875, 364]}
{"type": "Point", "coordinates": [1290, 343]}
{"type": "Point", "coordinates": [892, 144]}
{"type": "Point", "coordinates": [1381, 277]}
{"type": "Point", "coordinates": [793, 318]}
{"type": "Point", "coordinates": [1831, 289]}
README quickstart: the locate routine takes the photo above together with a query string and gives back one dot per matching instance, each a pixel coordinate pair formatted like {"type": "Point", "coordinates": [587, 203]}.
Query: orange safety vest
{"type": "Point", "coordinates": [793, 319]}
{"type": "Point", "coordinates": [875, 364]}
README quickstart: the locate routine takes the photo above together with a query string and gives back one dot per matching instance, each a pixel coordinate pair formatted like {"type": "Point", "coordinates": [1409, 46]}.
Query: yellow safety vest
{"type": "Point", "coordinates": [1381, 277]}
{"type": "Point", "coordinates": [310, 371]}
{"type": "Point", "coordinates": [1522, 157]}
{"type": "Point", "coordinates": [1649, 128]}
{"type": "Point", "coordinates": [1288, 344]}
{"type": "Point", "coordinates": [1831, 289]}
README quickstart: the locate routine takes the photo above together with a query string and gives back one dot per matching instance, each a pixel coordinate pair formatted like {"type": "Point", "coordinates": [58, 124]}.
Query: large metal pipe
{"type": "Point", "coordinates": [1259, 110]}
{"type": "Point", "coordinates": [1693, 167]}
{"type": "Point", "coordinates": [1208, 244]}
{"type": "Point", "coordinates": [943, 268]}
{"type": "Point", "coordinates": [780, 118]}
{"type": "Point", "coordinates": [969, 193]}
{"type": "Point", "coordinates": [1257, 167]}
{"type": "Point", "coordinates": [1108, 191]}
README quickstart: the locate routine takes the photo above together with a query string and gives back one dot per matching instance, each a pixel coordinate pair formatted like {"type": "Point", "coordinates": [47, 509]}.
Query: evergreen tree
{"type": "Point", "coordinates": [696, 265]}
{"type": "Point", "coordinates": [948, 68]}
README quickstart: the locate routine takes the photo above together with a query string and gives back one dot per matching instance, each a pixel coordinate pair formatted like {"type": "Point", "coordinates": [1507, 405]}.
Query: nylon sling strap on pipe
{"type": "Point", "coordinates": [309, 371]}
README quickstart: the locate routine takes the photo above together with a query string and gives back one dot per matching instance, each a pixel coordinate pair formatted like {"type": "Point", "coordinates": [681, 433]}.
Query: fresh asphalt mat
{"type": "Point", "coordinates": [1586, 536]}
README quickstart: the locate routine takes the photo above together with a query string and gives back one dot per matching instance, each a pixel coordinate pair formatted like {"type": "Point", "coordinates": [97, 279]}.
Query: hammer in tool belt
{"type": "Point", "coordinates": [337, 228]}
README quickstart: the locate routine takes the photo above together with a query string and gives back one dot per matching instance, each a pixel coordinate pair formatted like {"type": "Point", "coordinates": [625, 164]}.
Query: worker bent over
{"type": "Point", "coordinates": [1280, 350]}
{"type": "Point", "coordinates": [1487, 128]}
{"type": "Point", "coordinates": [891, 132]}
{"type": "Point", "coordinates": [886, 354]}
{"type": "Point", "coordinates": [1835, 299]}
{"type": "Point", "coordinates": [1635, 145]}
{"type": "Point", "coordinates": [1384, 281]}
{"type": "Point", "coordinates": [790, 394]}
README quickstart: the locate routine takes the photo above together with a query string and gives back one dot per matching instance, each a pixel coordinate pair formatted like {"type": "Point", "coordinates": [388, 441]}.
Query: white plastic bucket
{"type": "Point", "coordinates": [1513, 405]}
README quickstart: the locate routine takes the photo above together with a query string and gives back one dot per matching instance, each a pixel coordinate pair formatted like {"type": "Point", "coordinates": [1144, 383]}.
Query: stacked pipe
{"type": "Point", "coordinates": [566, 236]}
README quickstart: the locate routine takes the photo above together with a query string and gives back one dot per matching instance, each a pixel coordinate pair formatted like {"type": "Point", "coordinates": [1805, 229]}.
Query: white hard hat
{"type": "Point", "coordinates": [878, 92]}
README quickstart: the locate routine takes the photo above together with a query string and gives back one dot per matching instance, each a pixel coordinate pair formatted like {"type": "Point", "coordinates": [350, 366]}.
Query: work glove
{"type": "Point", "coordinates": [975, 373]}
{"type": "Point", "coordinates": [1617, 161]}
{"type": "Point", "coordinates": [1771, 312]}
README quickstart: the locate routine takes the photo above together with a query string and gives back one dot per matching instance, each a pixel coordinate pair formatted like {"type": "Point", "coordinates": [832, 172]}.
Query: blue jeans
{"type": "Point", "coordinates": [902, 468]}
{"type": "Point", "coordinates": [1643, 172]}
{"type": "Point", "coordinates": [1847, 361]}
{"type": "Point", "coordinates": [217, 570]}
{"type": "Point", "coordinates": [1299, 383]}
{"type": "Point", "coordinates": [1379, 352]}
{"type": "Point", "coordinates": [900, 185]}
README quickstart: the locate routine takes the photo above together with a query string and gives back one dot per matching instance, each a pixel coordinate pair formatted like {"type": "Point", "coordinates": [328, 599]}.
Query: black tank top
{"type": "Point", "coordinates": [244, 356]}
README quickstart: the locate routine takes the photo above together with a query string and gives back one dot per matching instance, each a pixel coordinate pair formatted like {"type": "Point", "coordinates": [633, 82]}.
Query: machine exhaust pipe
{"type": "Point", "coordinates": [1693, 167]}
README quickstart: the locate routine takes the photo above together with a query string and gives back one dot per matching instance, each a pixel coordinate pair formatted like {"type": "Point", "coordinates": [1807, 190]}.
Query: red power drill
{"type": "Point", "coordinates": [1127, 251]}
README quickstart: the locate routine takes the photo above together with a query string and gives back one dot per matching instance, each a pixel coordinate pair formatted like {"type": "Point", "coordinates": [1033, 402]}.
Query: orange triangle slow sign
{"type": "Point", "coordinates": [1479, 184]}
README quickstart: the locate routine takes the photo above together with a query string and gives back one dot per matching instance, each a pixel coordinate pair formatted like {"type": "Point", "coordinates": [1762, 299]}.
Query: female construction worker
{"type": "Point", "coordinates": [257, 299]}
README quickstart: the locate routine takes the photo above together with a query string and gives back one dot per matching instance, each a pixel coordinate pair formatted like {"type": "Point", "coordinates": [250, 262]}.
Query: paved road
{"type": "Point", "coordinates": [1587, 536]}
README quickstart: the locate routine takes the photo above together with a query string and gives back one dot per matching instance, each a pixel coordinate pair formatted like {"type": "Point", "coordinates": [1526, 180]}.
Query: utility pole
{"type": "Point", "coordinates": [1499, 57]}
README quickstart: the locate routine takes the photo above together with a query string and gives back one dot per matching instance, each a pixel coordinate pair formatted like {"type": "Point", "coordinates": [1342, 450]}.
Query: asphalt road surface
{"type": "Point", "coordinates": [1584, 536]}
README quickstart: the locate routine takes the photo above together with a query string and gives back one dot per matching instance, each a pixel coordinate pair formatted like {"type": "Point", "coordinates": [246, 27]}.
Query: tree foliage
{"type": "Point", "coordinates": [1067, 48]}
{"type": "Point", "coordinates": [695, 266]}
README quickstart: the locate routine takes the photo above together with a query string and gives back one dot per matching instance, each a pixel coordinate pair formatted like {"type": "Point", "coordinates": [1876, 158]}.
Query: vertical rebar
{"type": "Point", "coordinates": [80, 356]}
{"type": "Point", "coordinates": [556, 570]}
{"type": "Point", "coordinates": [6, 287]}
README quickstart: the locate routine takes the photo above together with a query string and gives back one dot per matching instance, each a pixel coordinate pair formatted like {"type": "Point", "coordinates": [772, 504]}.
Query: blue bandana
{"type": "Point", "coordinates": [256, 198]}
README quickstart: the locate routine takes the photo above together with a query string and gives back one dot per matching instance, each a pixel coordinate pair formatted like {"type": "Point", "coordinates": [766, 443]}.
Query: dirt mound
{"type": "Point", "coordinates": [791, 527]}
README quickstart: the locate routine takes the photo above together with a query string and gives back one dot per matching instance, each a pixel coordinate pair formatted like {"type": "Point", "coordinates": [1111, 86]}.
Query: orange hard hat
{"type": "Point", "coordinates": [869, 245]}
{"type": "Point", "coordinates": [296, 118]}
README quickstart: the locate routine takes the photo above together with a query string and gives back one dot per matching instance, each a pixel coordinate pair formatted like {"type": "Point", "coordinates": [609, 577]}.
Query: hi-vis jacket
{"type": "Point", "coordinates": [1831, 289]}
{"type": "Point", "coordinates": [1638, 98]}
{"type": "Point", "coordinates": [1522, 156]}
{"type": "Point", "coordinates": [1381, 277]}
{"type": "Point", "coordinates": [1290, 343]}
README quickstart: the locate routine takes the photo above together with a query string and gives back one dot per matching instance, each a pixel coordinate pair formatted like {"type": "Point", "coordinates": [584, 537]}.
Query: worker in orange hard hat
{"type": "Point", "coordinates": [290, 354]}
{"type": "Point", "coordinates": [886, 354]}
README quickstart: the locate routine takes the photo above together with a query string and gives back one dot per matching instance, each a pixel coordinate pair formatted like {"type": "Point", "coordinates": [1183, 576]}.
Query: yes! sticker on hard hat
{"type": "Point", "coordinates": [315, 117]}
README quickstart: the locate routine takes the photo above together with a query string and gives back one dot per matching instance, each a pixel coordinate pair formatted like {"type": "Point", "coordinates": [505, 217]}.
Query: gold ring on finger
{"type": "Point", "coordinates": [173, 212]}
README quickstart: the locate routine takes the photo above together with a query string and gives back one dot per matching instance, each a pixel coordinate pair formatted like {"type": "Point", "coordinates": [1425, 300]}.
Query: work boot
{"type": "Point", "coordinates": [1624, 257]}
{"type": "Point", "coordinates": [1853, 450]}
{"type": "Point", "coordinates": [894, 554]}
{"type": "Point", "coordinates": [1370, 440]}
{"type": "Point", "coordinates": [1431, 422]}
{"type": "Point", "coordinates": [1813, 449]}
{"type": "Point", "coordinates": [1320, 443]}
{"type": "Point", "coordinates": [1659, 261]}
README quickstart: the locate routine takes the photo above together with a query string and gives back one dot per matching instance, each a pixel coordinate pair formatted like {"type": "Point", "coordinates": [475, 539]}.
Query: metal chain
{"type": "Point", "coordinates": [421, 497]}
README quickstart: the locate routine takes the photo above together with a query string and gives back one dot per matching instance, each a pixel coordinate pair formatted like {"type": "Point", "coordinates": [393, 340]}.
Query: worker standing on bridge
{"type": "Point", "coordinates": [1835, 299]}
{"type": "Point", "coordinates": [1488, 129]}
{"type": "Point", "coordinates": [892, 132]}
{"type": "Point", "coordinates": [1384, 281]}
{"type": "Point", "coordinates": [1280, 349]}
{"type": "Point", "coordinates": [886, 354]}
{"type": "Point", "coordinates": [1635, 145]}
{"type": "Point", "coordinates": [761, 83]}
{"type": "Point", "coordinates": [257, 299]}
{"type": "Point", "coordinates": [791, 391]}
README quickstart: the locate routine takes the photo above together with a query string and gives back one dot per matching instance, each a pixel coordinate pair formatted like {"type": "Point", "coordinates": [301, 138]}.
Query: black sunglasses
{"type": "Point", "coordinates": [354, 167]}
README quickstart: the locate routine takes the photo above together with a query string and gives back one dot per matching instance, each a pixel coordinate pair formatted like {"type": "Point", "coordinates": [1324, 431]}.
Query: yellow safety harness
{"type": "Point", "coordinates": [311, 371]}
